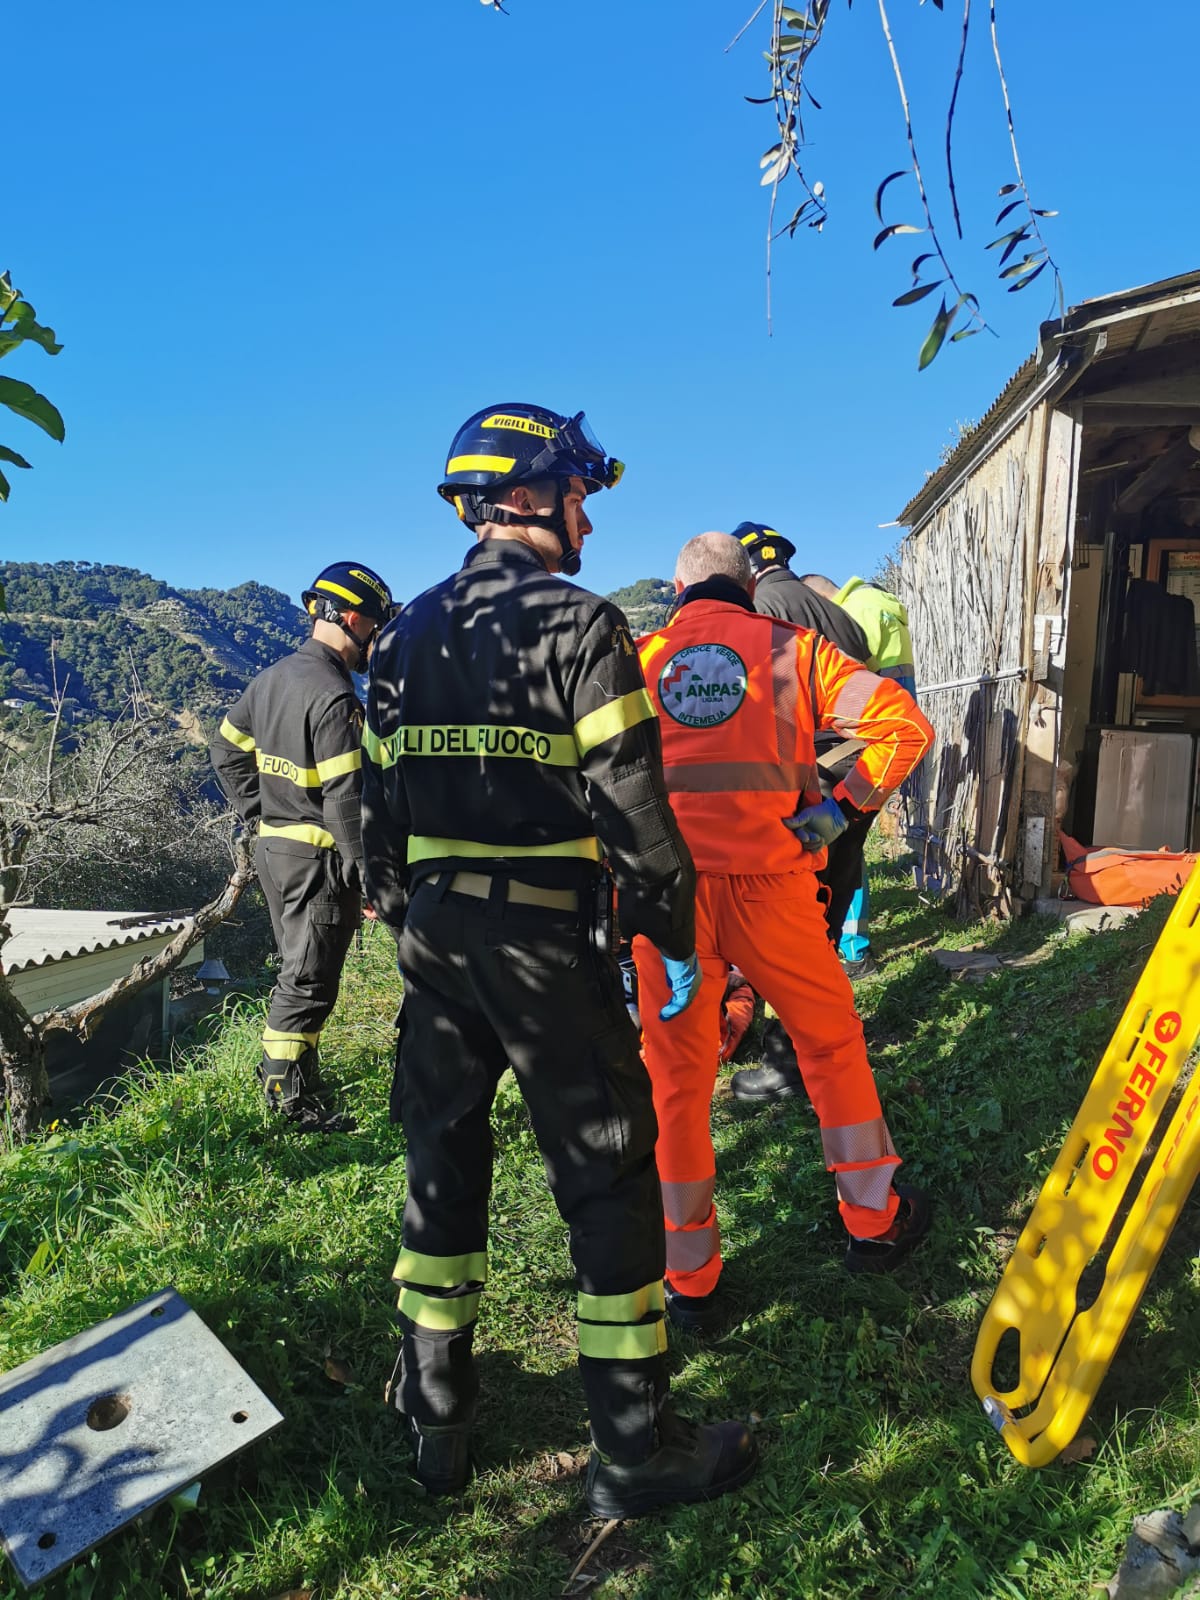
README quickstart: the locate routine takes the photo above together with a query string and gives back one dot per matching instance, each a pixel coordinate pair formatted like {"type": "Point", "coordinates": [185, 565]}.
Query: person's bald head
{"type": "Point", "coordinates": [713, 555]}
{"type": "Point", "coordinates": [820, 585]}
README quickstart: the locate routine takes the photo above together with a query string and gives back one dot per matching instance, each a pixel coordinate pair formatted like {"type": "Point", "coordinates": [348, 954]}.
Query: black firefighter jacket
{"type": "Point", "coordinates": [509, 729]}
{"type": "Point", "coordinates": [779, 593]}
{"type": "Point", "coordinates": [289, 754]}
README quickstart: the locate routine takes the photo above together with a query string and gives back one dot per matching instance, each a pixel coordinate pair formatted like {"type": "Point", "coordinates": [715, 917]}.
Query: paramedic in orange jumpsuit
{"type": "Point", "coordinates": [739, 696]}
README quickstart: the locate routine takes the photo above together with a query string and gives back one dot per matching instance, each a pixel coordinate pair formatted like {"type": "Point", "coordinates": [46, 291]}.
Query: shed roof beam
{"type": "Point", "coordinates": [1137, 414]}
{"type": "Point", "coordinates": [1159, 476]}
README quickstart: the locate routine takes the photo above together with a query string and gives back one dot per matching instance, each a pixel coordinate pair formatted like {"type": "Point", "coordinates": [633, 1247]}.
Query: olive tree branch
{"type": "Point", "coordinates": [958, 74]}
{"type": "Point", "coordinates": [749, 23]}
{"type": "Point", "coordinates": [942, 322]}
{"type": "Point", "coordinates": [1042, 257]}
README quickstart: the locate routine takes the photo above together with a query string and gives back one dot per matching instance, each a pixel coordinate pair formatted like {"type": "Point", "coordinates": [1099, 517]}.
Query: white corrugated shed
{"type": "Point", "coordinates": [57, 958]}
{"type": "Point", "coordinates": [38, 937]}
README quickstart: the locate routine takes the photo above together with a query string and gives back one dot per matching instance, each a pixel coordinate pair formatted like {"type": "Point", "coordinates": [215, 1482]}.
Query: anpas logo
{"type": "Point", "coordinates": [702, 685]}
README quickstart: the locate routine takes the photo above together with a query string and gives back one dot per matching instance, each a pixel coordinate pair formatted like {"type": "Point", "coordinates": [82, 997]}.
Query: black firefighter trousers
{"type": "Point", "coordinates": [314, 917]}
{"type": "Point", "coordinates": [488, 984]}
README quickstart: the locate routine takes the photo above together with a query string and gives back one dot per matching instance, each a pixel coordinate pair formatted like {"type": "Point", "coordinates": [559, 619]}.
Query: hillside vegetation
{"type": "Point", "coordinates": [106, 632]}
{"type": "Point", "coordinates": [109, 632]}
{"type": "Point", "coordinates": [880, 1478]}
{"type": "Point", "coordinates": [645, 603]}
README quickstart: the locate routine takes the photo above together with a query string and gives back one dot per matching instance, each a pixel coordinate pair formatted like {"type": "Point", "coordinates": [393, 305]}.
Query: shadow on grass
{"type": "Point", "coordinates": [880, 1477]}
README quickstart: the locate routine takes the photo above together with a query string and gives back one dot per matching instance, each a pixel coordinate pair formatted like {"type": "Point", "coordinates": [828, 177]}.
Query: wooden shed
{"type": "Point", "coordinates": [1047, 573]}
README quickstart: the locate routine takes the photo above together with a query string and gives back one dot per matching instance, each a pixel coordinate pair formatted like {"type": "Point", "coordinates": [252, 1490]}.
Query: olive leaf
{"type": "Point", "coordinates": [894, 228]}
{"type": "Point", "coordinates": [911, 296]}
{"type": "Point", "coordinates": [936, 335]}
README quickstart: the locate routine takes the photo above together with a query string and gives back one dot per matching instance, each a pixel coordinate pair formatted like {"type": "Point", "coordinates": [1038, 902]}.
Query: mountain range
{"type": "Point", "coordinates": [103, 637]}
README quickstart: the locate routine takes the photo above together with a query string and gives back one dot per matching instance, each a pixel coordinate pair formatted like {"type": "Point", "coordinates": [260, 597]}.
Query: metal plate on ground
{"type": "Point", "coordinates": [108, 1423]}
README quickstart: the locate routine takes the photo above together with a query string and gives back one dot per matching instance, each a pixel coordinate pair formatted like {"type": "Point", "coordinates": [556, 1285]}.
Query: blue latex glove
{"type": "Point", "coordinates": [684, 979]}
{"type": "Point", "coordinates": [816, 827]}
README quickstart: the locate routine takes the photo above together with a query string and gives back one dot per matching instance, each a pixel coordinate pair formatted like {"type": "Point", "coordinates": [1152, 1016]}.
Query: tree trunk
{"type": "Point", "coordinates": [22, 1068]}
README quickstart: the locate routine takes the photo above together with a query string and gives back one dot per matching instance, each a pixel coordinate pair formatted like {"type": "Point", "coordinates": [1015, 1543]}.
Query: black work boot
{"type": "Point", "coordinates": [767, 1083]}
{"type": "Point", "coordinates": [311, 1115]}
{"type": "Point", "coordinates": [864, 967]}
{"type": "Point", "coordinates": [693, 1313]}
{"type": "Point", "coordinates": [779, 1077]}
{"type": "Point", "coordinates": [294, 1094]}
{"type": "Point", "coordinates": [909, 1227]}
{"type": "Point", "coordinates": [442, 1457]}
{"type": "Point", "coordinates": [436, 1371]}
{"type": "Point", "coordinates": [691, 1461]}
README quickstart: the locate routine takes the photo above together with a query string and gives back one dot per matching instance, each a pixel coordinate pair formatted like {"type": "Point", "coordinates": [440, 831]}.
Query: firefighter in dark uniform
{"type": "Point", "coordinates": [289, 757]}
{"type": "Point", "coordinates": [511, 748]}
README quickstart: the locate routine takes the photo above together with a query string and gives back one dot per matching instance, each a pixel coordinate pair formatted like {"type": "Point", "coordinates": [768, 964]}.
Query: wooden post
{"type": "Point", "coordinates": [1049, 594]}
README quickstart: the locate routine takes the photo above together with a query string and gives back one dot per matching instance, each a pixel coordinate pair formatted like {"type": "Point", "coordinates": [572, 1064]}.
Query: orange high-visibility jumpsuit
{"type": "Point", "coordinates": [739, 696]}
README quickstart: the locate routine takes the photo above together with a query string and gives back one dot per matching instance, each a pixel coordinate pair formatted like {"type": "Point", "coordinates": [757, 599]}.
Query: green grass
{"type": "Point", "coordinates": [880, 1477]}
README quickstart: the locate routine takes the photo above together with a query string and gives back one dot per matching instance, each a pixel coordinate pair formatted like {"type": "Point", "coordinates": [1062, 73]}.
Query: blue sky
{"type": "Point", "coordinates": [288, 248]}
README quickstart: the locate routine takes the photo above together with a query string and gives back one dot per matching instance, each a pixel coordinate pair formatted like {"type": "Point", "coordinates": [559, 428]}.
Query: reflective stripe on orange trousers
{"type": "Point", "coordinates": [773, 928]}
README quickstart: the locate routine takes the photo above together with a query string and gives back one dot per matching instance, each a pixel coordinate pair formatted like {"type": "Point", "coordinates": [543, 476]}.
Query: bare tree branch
{"type": "Point", "coordinates": [749, 23]}
{"type": "Point", "coordinates": [79, 1019]}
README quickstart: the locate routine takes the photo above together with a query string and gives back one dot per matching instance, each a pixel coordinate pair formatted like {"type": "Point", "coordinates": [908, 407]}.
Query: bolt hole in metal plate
{"type": "Point", "coordinates": [107, 1424]}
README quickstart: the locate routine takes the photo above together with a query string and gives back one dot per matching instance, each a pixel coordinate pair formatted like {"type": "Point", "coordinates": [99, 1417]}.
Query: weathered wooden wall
{"type": "Point", "coordinates": [1049, 589]}
{"type": "Point", "coordinates": [966, 580]}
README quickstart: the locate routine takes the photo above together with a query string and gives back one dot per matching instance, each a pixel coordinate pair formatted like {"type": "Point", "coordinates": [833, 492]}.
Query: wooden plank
{"type": "Point", "coordinates": [1147, 414]}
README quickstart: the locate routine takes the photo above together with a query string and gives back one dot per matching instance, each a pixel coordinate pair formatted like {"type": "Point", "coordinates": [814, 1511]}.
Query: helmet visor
{"type": "Point", "coordinates": [597, 469]}
{"type": "Point", "coordinates": [574, 452]}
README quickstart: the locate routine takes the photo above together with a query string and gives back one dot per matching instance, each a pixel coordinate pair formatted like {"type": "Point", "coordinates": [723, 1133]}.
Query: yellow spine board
{"type": "Point", "coordinates": [1063, 1352]}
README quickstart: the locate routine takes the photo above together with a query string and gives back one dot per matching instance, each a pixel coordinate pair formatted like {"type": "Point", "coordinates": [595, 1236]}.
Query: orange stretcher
{"type": "Point", "coordinates": [1140, 1117]}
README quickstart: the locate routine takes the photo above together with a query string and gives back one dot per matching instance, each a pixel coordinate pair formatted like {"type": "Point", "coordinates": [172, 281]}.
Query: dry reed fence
{"type": "Point", "coordinates": [964, 579]}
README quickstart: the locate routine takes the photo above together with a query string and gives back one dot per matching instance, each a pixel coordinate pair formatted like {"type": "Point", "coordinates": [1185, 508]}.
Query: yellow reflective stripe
{"type": "Point", "coordinates": [440, 1272]}
{"type": "Point", "coordinates": [474, 739]}
{"type": "Point", "coordinates": [336, 588]}
{"type": "Point", "coordinates": [287, 1046]}
{"type": "Point", "coordinates": [309, 777]}
{"type": "Point", "coordinates": [608, 1341]}
{"type": "Point", "coordinates": [480, 464]}
{"type": "Point", "coordinates": [442, 1316]}
{"type": "Point", "coordinates": [424, 847]}
{"type": "Point", "coordinates": [614, 718]}
{"type": "Point", "coordinates": [338, 766]}
{"type": "Point", "coordinates": [651, 648]}
{"type": "Point", "coordinates": [304, 832]}
{"type": "Point", "coordinates": [281, 767]}
{"type": "Point", "coordinates": [503, 419]}
{"type": "Point", "coordinates": [244, 741]}
{"type": "Point", "coordinates": [631, 1307]}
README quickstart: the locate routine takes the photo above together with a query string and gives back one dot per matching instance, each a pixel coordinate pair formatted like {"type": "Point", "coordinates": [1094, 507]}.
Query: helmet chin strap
{"type": "Point", "coordinates": [481, 510]}
{"type": "Point", "coordinates": [330, 613]}
{"type": "Point", "coordinates": [363, 649]}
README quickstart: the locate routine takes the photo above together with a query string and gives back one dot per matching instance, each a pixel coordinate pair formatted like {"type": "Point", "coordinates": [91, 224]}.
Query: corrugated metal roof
{"type": "Point", "coordinates": [39, 938]}
{"type": "Point", "coordinates": [1147, 315]}
{"type": "Point", "coordinates": [1022, 382]}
